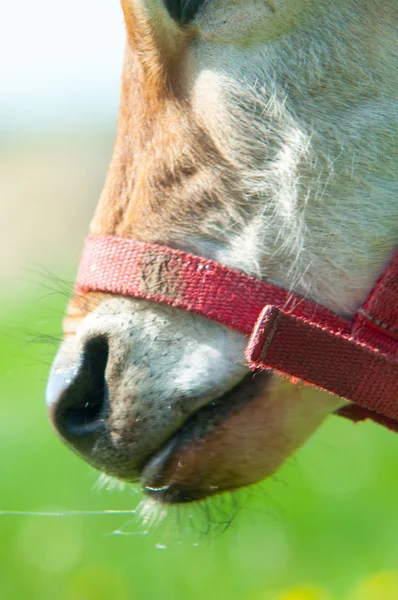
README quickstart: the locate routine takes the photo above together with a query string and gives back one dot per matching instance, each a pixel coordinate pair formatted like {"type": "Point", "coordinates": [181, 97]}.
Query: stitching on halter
{"type": "Point", "coordinates": [378, 322]}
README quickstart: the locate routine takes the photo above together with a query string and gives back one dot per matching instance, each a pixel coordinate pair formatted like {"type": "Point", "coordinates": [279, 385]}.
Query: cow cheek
{"type": "Point", "coordinates": [251, 443]}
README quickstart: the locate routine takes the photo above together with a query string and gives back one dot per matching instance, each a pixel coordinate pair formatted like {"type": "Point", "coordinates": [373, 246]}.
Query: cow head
{"type": "Point", "coordinates": [261, 135]}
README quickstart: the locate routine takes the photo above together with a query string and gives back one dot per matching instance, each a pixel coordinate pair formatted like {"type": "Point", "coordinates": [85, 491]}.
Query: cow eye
{"type": "Point", "coordinates": [183, 11]}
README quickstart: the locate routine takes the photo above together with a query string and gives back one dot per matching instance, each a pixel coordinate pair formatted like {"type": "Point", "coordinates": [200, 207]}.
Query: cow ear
{"type": "Point", "coordinates": [155, 33]}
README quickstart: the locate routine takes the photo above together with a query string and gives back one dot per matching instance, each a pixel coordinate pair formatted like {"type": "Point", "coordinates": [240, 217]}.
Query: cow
{"type": "Point", "coordinates": [261, 135]}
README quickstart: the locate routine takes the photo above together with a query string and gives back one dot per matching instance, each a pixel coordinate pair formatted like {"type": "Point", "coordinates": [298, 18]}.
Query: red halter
{"type": "Point", "coordinates": [356, 359]}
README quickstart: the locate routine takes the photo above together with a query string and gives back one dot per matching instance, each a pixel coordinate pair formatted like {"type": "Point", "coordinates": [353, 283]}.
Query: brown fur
{"type": "Point", "coordinates": [162, 174]}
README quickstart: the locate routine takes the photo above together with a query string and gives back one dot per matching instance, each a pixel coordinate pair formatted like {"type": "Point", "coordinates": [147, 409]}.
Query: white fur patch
{"type": "Point", "coordinates": [314, 142]}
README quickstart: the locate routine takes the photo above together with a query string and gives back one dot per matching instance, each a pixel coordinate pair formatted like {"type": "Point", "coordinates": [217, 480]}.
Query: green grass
{"type": "Point", "coordinates": [325, 527]}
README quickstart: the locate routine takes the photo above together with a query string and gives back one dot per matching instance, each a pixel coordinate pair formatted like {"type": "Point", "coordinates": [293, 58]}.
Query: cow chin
{"type": "Point", "coordinates": [237, 440]}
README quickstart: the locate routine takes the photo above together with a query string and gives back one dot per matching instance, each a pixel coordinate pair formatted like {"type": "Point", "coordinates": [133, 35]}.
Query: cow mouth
{"type": "Point", "coordinates": [161, 475]}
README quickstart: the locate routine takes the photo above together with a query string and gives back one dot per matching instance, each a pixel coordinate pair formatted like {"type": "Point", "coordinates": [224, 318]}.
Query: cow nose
{"type": "Point", "coordinates": [77, 397]}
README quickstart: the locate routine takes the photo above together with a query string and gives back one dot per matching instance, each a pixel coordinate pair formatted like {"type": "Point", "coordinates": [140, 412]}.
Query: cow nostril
{"type": "Point", "coordinates": [87, 411]}
{"type": "Point", "coordinates": [79, 400]}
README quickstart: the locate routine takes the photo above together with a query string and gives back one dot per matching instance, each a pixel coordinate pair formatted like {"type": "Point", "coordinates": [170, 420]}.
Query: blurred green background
{"type": "Point", "coordinates": [325, 528]}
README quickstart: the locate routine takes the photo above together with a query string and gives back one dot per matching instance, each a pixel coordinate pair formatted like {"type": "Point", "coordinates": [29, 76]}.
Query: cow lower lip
{"type": "Point", "coordinates": [195, 429]}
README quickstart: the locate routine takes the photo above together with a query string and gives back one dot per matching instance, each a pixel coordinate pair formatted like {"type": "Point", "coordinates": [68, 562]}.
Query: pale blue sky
{"type": "Point", "coordinates": [60, 62]}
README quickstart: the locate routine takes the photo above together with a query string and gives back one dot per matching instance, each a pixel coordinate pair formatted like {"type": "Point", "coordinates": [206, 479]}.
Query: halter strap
{"type": "Point", "coordinates": [356, 359]}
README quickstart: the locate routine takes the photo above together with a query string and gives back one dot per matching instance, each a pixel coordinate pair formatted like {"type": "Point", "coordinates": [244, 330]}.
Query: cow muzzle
{"type": "Point", "coordinates": [180, 413]}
